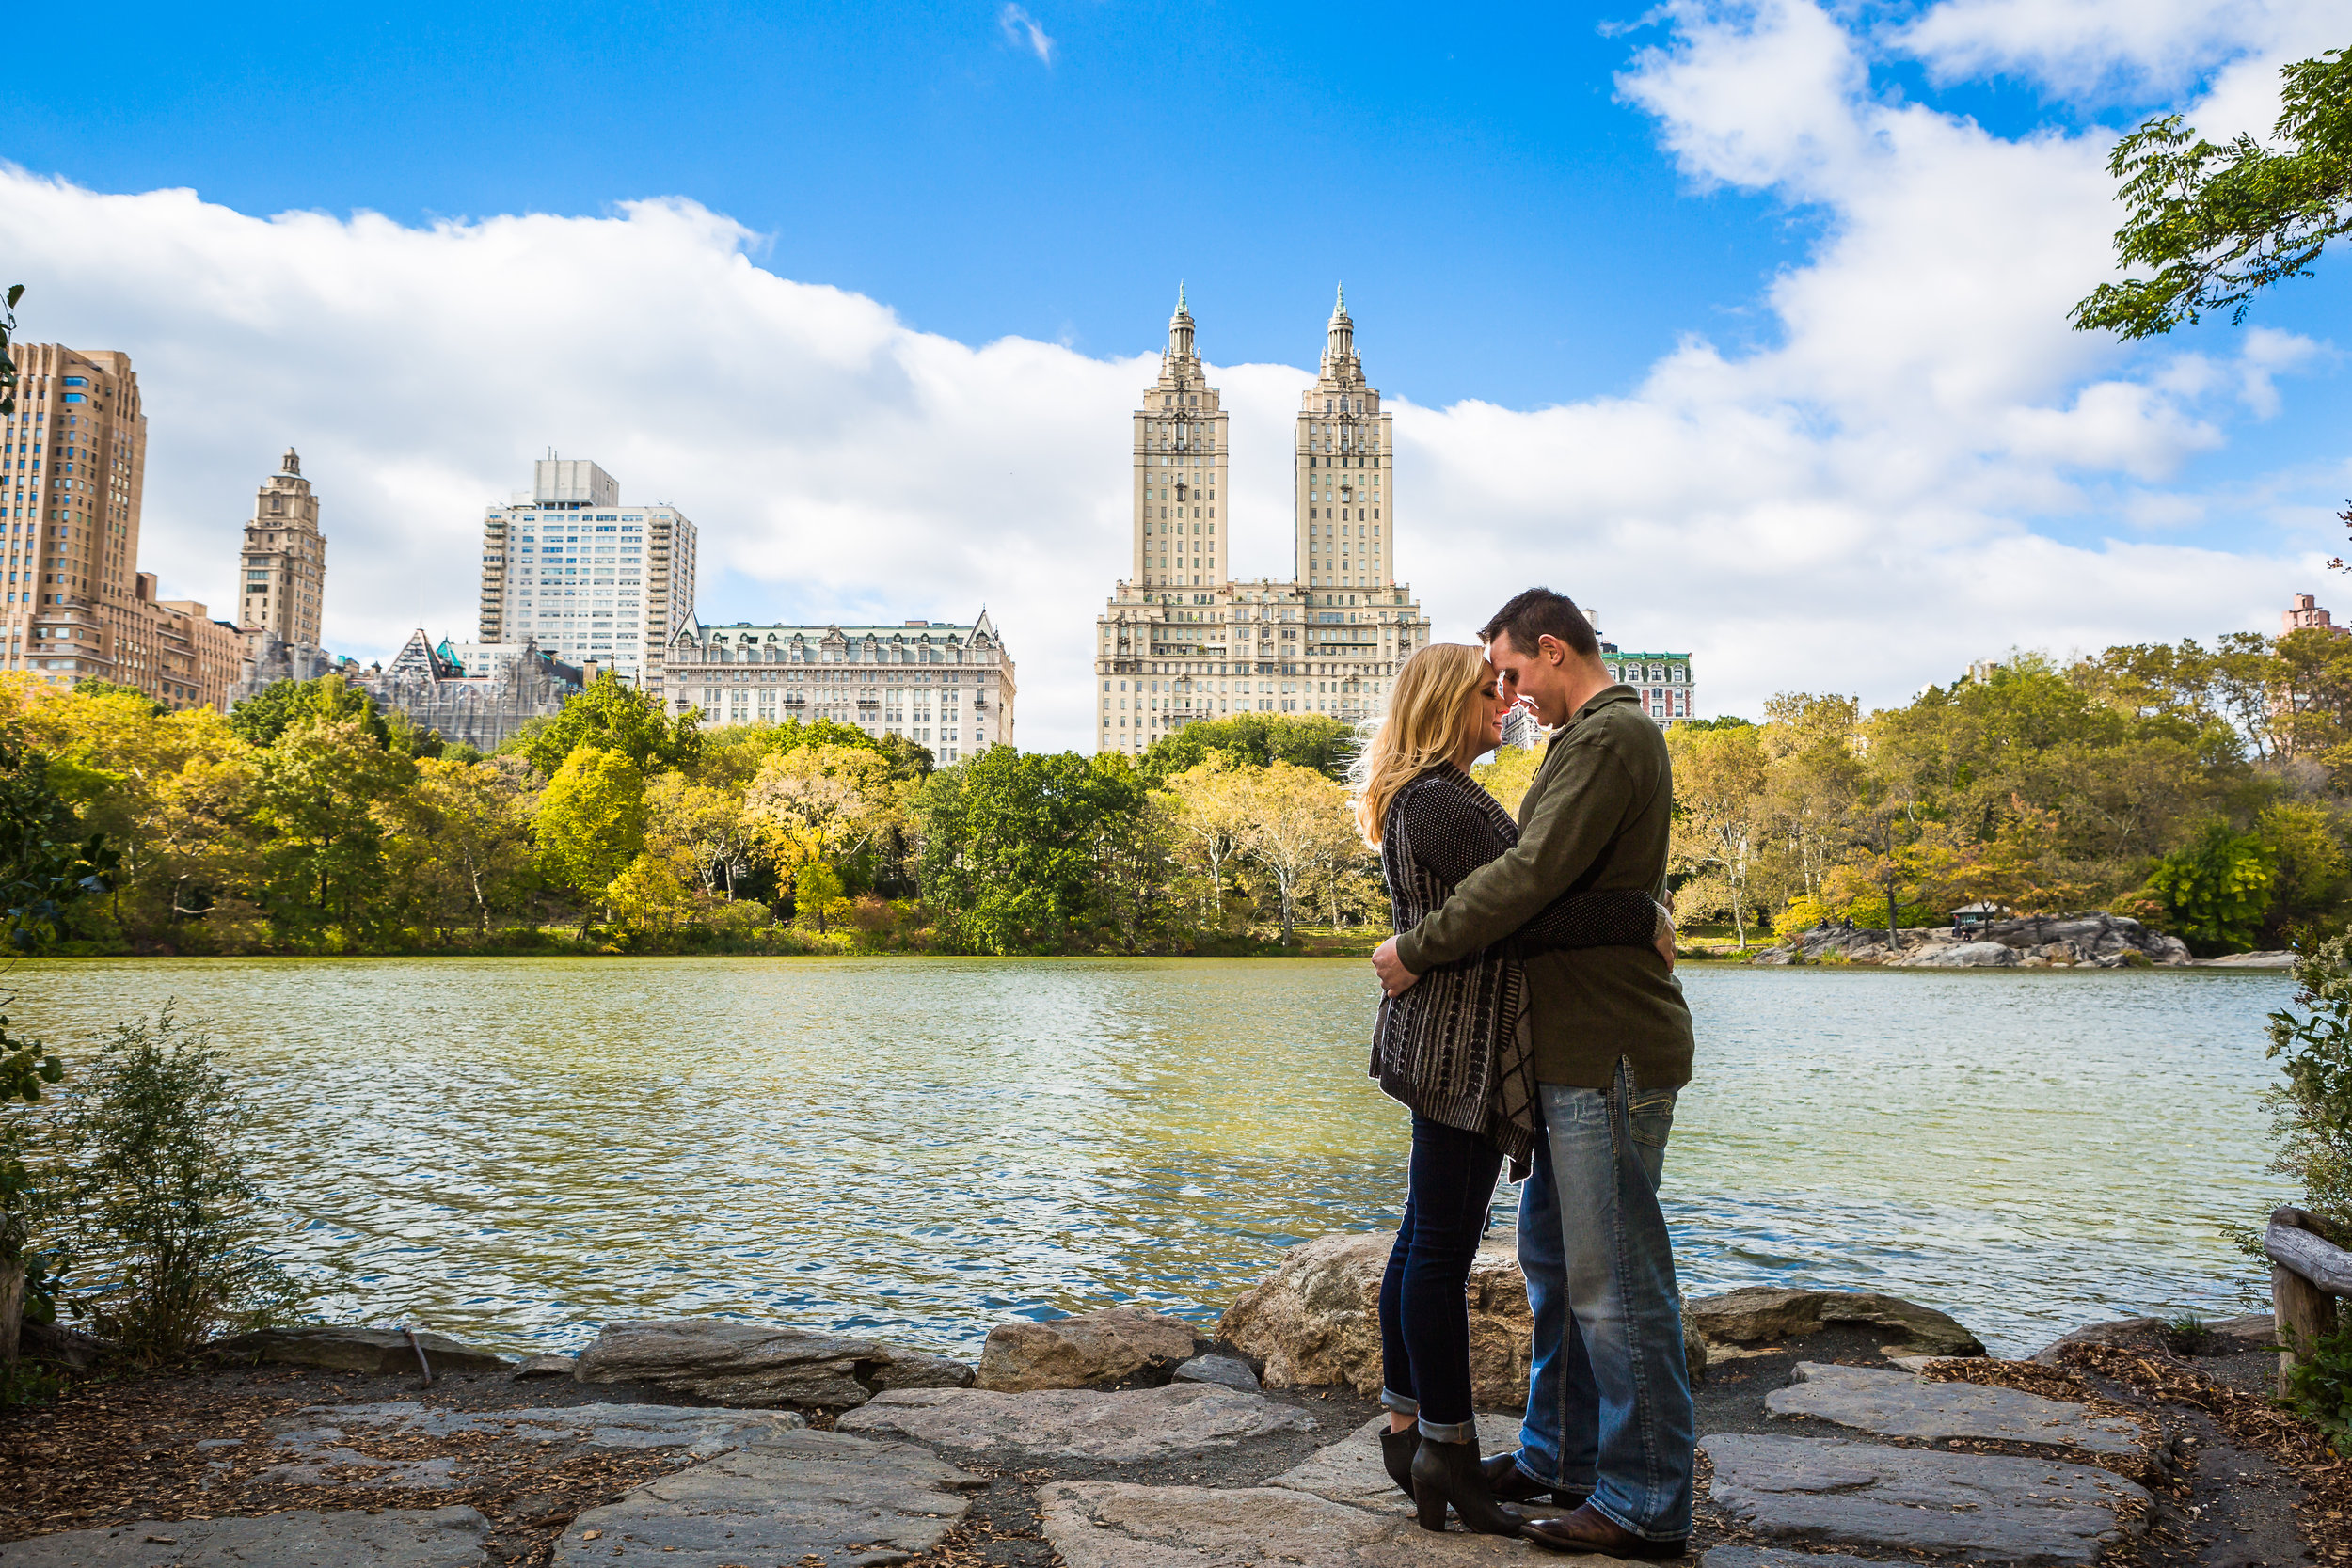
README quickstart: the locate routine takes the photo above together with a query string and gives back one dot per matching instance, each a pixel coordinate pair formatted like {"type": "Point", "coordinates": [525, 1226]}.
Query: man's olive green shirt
{"type": "Point", "coordinates": [1596, 816]}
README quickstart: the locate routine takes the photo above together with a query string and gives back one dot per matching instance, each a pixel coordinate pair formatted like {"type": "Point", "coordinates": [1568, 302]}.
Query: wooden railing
{"type": "Point", "coordinates": [2308, 1272]}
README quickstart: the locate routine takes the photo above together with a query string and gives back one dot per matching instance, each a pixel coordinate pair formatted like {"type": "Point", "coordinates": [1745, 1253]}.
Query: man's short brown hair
{"type": "Point", "coordinates": [1537, 613]}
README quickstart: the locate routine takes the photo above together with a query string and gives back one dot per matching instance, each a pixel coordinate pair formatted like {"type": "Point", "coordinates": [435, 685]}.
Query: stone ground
{"type": "Point", "coordinates": [481, 1470]}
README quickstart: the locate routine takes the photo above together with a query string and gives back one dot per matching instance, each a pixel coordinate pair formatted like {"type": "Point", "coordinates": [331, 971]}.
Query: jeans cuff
{"type": "Point", "coordinates": [1403, 1405]}
{"type": "Point", "coordinates": [1448, 1432]}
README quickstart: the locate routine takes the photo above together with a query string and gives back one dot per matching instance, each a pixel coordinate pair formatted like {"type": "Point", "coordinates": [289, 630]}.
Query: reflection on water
{"type": "Point", "coordinates": [518, 1151]}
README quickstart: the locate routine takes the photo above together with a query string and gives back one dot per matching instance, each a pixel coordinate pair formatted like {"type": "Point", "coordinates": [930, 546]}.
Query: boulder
{"type": "Point", "coordinates": [2095, 937]}
{"type": "Point", "coordinates": [2136, 1332]}
{"type": "Point", "coordinates": [533, 1367]}
{"type": "Point", "coordinates": [1130, 1426]}
{"type": "Point", "coordinates": [1316, 1321]}
{"type": "Point", "coordinates": [60, 1346]}
{"type": "Point", "coordinates": [915, 1369]}
{"type": "Point", "coordinates": [758, 1366]}
{"type": "Point", "coordinates": [1961, 955]}
{"type": "Point", "coordinates": [2277, 959]}
{"type": "Point", "coordinates": [1117, 1347]}
{"type": "Point", "coordinates": [1229, 1370]}
{"type": "Point", "coordinates": [377, 1538]}
{"type": "Point", "coordinates": [1766, 1314]}
{"type": "Point", "coordinates": [371, 1352]}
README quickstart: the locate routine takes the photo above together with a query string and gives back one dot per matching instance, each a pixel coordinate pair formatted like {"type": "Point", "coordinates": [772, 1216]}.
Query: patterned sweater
{"type": "Point", "coordinates": [1456, 1047]}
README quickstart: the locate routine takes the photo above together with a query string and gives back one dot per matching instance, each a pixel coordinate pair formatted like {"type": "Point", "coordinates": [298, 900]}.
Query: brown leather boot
{"type": "Point", "coordinates": [1588, 1530]}
{"type": "Point", "coordinates": [1511, 1484]}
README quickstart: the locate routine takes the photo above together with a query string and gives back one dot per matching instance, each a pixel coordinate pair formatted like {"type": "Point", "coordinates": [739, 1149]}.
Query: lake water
{"type": "Point", "coordinates": [516, 1151]}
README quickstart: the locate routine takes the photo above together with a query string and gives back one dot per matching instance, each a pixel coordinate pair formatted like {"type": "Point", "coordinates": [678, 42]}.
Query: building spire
{"type": "Point", "coordinates": [1339, 351]}
{"type": "Point", "coordinates": [1179, 329]}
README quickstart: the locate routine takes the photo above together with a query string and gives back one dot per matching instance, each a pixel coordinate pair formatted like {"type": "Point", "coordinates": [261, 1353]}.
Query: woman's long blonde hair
{"type": "Point", "coordinates": [1428, 715]}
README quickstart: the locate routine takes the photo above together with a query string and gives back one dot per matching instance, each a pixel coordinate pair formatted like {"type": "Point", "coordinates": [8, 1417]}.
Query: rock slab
{"type": "Point", "coordinates": [1763, 1314]}
{"type": "Point", "coordinates": [826, 1497]}
{"type": "Point", "coordinates": [1118, 1346]}
{"type": "Point", "coordinates": [1131, 1426]}
{"type": "Point", "coordinates": [372, 1351]}
{"type": "Point", "coordinates": [395, 1538]}
{"type": "Point", "coordinates": [1897, 1404]}
{"type": "Point", "coordinates": [1349, 1471]}
{"type": "Point", "coordinates": [754, 1366]}
{"type": "Point", "coordinates": [1764, 1556]}
{"type": "Point", "coordinates": [1992, 1508]}
{"type": "Point", "coordinates": [317, 1440]}
{"type": "Point", "coordinates": [1113, 1525]}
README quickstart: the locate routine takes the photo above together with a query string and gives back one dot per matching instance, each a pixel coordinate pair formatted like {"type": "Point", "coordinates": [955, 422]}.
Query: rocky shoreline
{"type": "Point", "coordinates": [2093, 939]}
{"type": "Point", "coordinates": [1850, 1424]}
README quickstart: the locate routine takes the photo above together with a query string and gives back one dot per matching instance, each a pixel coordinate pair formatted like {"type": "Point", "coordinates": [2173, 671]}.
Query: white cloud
{"type": "Point", "coordinates": [1927, 465]}
{"type": "Point", "coordinates": [1023, 31]}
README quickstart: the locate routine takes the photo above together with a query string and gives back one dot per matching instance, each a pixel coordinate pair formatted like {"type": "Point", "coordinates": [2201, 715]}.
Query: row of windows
{"type": "Point", "coordinates": [1680, 673]}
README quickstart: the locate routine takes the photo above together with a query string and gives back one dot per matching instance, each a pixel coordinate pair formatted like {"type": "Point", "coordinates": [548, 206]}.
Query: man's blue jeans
{"type": "Point", "coordinates": [1608, 1402]}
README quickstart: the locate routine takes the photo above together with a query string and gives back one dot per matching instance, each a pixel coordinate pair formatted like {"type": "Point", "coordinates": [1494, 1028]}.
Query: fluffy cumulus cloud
{"type": "Point", "coordinates": [1923, 464]}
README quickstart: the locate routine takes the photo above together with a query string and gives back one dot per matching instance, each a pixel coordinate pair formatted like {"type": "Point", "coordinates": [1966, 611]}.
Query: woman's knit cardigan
{"type": "Point", "coordinates": [1455, 1046]}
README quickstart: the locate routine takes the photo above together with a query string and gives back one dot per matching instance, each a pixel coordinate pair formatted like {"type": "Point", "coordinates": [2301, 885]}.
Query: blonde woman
{"type": "Point", "coordinates": [1455, 1049]}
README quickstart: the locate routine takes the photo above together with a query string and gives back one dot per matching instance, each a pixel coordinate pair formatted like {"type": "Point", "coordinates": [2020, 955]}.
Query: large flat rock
{"type": "Point", "coordinates": [757, 1366]}
{"type": "Point", "coordinates": [1992, 1508]}
{"type": "Point", "coordinates": [1897, 1404]}
{"type": "Point", "coordinates": [318, 1439]}
{"type": "Point", "coordinates": [1765, 1557]}
{"type": "Point", "coordinates": [377, 1352]}
{"type": "Point", "coordinates": [826, 1497]}
{"type": "Point", "coordinates": [1113, 1525]}
{"type": "Point", "coordinates": [1132, 1427]}
{"type": "Point", "coordinates": [395, 1538]}
{"type": "Point", "coordinates": [1349, 1471]}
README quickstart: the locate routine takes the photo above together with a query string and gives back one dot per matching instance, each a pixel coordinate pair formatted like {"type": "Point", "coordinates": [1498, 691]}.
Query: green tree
{"type": "Point", "coordinates": [460, 841]}
{"type": "Point", "coordinates": [2219, 222]}
{"type": "Point", "coordinates": [1011, 846]}
{"type": "Point", "coordinates": [261, 719]}
{"type": "Point", "coordinates": [613, 717]}
{"type": "Point", "coordinates": [1315, 740]}
{"type": "Point", "coordinates": [2216, 888]}
{"type": "Point", "coordinates": [2311, 1112]}
{"type": "Point", "coordinates": [316, 806]}
{"type": "Point", "coordinates": [590, 822]}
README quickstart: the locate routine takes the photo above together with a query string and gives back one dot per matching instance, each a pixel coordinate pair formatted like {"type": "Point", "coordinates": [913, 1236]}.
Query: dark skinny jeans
{"type": "Point", "coordinates": [1424, 1309]}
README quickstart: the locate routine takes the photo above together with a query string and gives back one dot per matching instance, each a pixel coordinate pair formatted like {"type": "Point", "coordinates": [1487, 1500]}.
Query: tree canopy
{"type": "Point", "coordinates": [1315, 740]}
{"type": "Point", "coordinates": [2220, 222]}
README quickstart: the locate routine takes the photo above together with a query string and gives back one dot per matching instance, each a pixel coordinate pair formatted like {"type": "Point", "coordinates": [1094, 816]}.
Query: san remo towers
{"type": "Point", "coordinates": [1182, 639]}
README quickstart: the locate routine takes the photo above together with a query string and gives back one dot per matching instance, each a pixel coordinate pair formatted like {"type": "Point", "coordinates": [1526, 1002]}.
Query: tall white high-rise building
{"type": "Point", "coordinates": [565, 565]}
{"type": "Point", "coordinates": [1181, 640]}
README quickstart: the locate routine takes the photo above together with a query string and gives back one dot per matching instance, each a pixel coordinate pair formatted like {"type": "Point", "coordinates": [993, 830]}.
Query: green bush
{"type": "Point", "coordinates": [165, 1213]}
{"type": "Point", "coordinates": [2312, 1111]}
{"type": "Point", "coordinates": [2216, 888]}
{"type": "Point", "coordinates": [2319, 1389]}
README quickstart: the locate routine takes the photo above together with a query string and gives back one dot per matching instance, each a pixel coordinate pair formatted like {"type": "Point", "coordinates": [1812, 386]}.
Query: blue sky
{"type": "Point", "coordinates": [1538, 209]}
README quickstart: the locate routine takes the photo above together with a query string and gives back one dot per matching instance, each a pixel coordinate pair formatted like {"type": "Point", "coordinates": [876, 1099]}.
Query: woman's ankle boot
{"type": "Point", "coordinates": [1449, 1475]}
{"type": "Point", "coordinates": [1397, 1455]}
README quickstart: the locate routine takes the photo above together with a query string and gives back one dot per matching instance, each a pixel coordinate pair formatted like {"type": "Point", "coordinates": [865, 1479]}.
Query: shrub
{"type": "Point", "coordinates": [2319, 1389]}
{"type": "Point", "coordinates": [2311, 1112]}
{"type": "Point", "coordinates": [165, 1213]}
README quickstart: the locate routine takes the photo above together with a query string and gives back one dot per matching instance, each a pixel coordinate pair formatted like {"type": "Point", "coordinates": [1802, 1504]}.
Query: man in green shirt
{"type": "Point", "coordinates": [1609, 1424]}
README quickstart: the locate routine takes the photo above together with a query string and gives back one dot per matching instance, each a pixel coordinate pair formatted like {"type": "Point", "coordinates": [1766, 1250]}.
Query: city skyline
{"type": "Point", "coordinates": [1863, 424]}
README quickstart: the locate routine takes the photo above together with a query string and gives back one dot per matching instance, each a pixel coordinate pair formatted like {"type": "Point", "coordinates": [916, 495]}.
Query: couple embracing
{"type": "Point", "coordinates": [1532, 1018]}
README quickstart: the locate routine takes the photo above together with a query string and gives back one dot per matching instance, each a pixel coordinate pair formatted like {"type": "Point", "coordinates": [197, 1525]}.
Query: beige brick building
{"type": "Point", "coordinates": [73, 477]}
{"type": "Point", "coordinates": [1181, 640]}
{"type": "Point", "coordinates": [284, 575]}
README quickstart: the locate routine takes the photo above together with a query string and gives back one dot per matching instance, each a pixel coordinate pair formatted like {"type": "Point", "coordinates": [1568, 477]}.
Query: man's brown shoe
{"type": "Point", "coordinates": [1590, 1531]}
{"type": "Point", "coordinates": [1511, 1484]}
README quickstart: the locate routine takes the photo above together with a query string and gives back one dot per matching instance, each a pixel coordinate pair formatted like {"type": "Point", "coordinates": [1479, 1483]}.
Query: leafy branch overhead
{"type": "Point", "coordinates": [2217, 223]}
